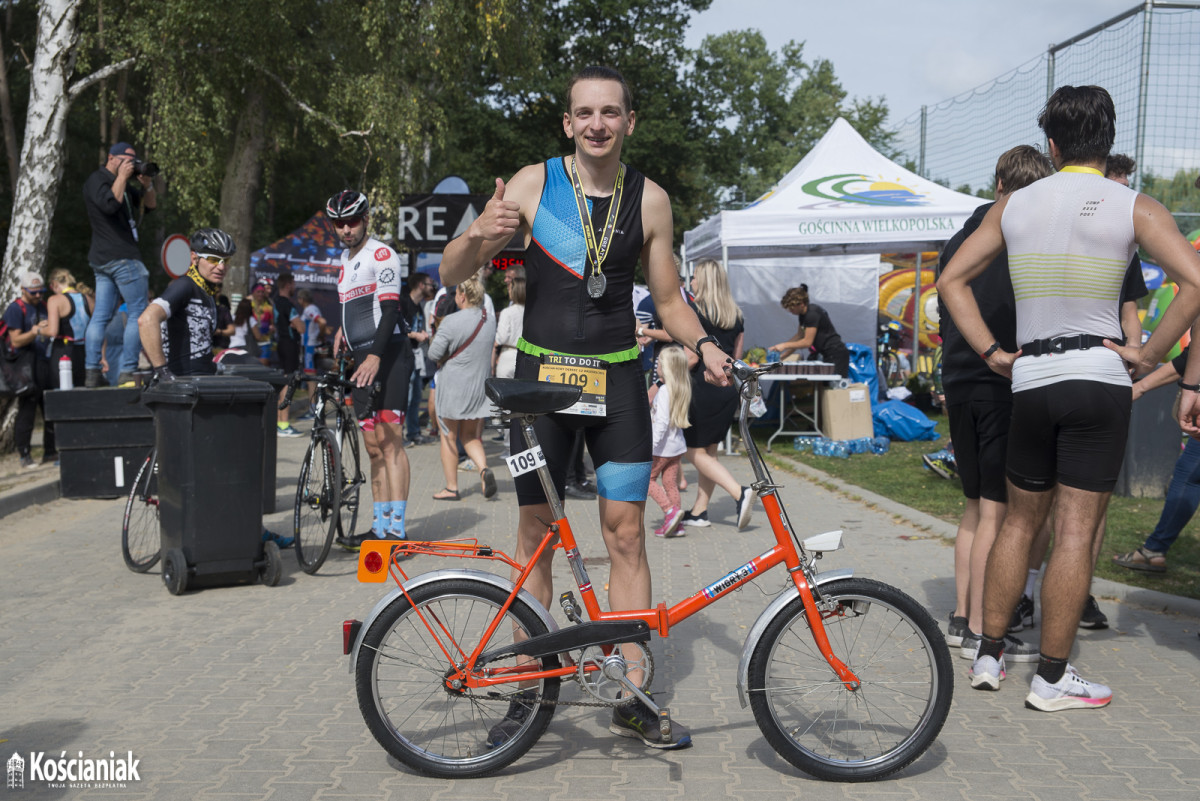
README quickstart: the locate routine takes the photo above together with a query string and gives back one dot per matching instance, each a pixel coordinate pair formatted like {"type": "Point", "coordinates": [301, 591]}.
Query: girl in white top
{"type": "Point", "coordinates": [510, 323]}
{"type": "Point", "coordinates": [669, 416]}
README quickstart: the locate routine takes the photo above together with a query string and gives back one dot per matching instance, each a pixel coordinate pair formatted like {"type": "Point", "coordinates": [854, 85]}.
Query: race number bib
{"type": "Point", "coordinates": [581, 371]}
{"type": "Point", "coordinates": [521, 463]}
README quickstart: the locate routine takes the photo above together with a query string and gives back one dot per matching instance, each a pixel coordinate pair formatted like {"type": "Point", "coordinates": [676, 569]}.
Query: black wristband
{"type": "Point", "coordinates": [1188, 387]}
{"type": "Point", "coordinates": [701, 341]}
{"type": "Point", "coordinates": [995, 347]}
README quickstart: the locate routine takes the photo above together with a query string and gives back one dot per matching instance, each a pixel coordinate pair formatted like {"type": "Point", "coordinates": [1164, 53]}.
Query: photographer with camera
{"type": "Point", "coordinates": [114, 206]}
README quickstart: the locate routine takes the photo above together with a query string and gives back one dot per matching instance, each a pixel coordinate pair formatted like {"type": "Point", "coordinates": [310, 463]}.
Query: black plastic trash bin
{"type": "Point", "coordinates": [210, 481]}
{"type": "Point", "coordinates": [1152, 447]}
{"type": "Point", "coordinates": [103, 436]}
{"type": "Point", "coordinates": [278, 380]}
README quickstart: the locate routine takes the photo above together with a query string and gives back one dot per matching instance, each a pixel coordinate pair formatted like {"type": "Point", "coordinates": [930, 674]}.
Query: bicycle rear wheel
{"type": "Point", "coordinates": [318, 496]}
{"type": "Point", "coordinates": [352, 478]}
{"type": "Point", "coordinates": [408, 706]}
{"type": "Point", "coordinates": [807, 714]}
{"type": "Point", "coordinates": [140, 542]}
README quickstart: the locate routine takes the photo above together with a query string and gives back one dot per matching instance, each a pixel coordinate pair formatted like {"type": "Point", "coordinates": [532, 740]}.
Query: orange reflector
{"type": "Point", "coordinates": [373, 558]}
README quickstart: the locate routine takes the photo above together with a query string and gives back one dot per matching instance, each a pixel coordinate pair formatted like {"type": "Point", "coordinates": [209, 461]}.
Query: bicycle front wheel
{"type": "Point", "coordinates": [352, 478]}
{"type": "Point", "coordinates": [140, 541]}
{"type": "Point", "coordinates": [318, 496]}
{"type": "Point", "coordinates": [405, 700]}
{"type": "Point", "coordinates": [811, 719]}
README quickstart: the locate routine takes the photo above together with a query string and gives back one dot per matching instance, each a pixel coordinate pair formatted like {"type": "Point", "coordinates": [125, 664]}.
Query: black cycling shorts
{"type": "Point", "coordinates": [289, 354]}
{"type": "Point", "coordinates": [979, 431]}
{"type": "Point", "coordinates": [1072, 433]}
{"type": "Point", "coordinates": [395, 368]}
{"type": "Point", "coordinates": [619, 443]}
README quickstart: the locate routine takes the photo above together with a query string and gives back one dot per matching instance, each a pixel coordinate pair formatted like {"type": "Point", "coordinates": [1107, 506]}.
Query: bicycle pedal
{"type": "Point", "coordinates": [664, 724]}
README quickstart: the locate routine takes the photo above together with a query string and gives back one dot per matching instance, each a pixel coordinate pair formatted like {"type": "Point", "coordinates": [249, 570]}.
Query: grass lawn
{"type": "Point", "coordinates": [900, 475]}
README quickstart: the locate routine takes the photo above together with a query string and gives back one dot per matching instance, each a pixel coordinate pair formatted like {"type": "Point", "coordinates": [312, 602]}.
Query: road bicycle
{"type": "Point", "coordinates": [331, 475]}
{"type": "Point", "coordinates": [849, 679]}
{"type": "Point", "coordinates": [140, 543]}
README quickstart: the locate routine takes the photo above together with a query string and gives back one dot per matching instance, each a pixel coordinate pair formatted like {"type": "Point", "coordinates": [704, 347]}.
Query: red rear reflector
{"type": "Point", "coordinates": [349, 632]}
{"type": "Point", "coordinates": [373, 562]}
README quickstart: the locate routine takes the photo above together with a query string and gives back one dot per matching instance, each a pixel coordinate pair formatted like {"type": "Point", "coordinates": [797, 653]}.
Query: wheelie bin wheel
{"type": "Point", "coordinates": [174, 573]}
{"type": "Point", "coordinates": [273, 570]}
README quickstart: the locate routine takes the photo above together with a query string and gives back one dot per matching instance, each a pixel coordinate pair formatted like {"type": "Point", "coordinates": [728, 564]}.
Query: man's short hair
{"type": "Point", "coordinates": [1082, 122]}
{"type": "Point", "coordinates": [599, 73]}
{"type": "Point", "coordinates": [1019, 167]}
{"type": "Point", "coordinates": [1119, 166]}
{"type": "Point", "coordinates": [284, 279]}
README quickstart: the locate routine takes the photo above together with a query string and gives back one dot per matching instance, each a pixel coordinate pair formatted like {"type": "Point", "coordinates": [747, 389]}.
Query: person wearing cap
{"type": "Point", "coordinates": [114, 203]}
{"type": "Point", "coordinates": [27, 326]}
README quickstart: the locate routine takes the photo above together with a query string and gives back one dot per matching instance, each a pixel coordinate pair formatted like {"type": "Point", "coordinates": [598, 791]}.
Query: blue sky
{"type": "Point", "coordinates": [913, 52]}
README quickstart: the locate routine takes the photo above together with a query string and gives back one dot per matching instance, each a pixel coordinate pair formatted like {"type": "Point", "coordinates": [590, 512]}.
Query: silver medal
{"type": "Point", "coordinates": [596, 284]}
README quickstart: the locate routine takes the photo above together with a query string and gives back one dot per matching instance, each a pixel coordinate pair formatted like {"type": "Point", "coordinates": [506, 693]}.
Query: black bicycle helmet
{"type": "Point", "coordinates": [346, 203]}
{"type": "Point", "coordinates": [213, 241]}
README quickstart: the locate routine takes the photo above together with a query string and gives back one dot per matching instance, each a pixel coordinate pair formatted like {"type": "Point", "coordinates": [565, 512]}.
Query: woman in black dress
{"type": "Point", "coordinates": [815, 331]}
{"type": "Point", "coordinates": [713, 408]}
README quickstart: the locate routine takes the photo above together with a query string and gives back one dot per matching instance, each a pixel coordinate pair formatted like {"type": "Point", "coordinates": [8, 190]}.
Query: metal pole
{"type": "Point", "coordinates": [916, 354]}
{"type": "Point", "coordinates": [921, 162]}
{"type": "Point", "coordinates": [1143, 89]}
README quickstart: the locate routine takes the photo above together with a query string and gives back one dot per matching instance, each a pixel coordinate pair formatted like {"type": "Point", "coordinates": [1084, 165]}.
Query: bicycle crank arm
{"type": "Point", "coordinates": [664, 714]}
{"type": "Point", "coordinates": [602, 632]}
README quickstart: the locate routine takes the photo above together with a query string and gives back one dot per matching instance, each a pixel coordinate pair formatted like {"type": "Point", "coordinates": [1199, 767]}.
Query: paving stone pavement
{"type": "Point", "coordinates": [243, 692]}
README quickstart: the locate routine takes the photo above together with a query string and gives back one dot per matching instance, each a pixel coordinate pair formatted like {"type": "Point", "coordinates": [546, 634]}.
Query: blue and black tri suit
{"type": "Point", "coordinates": [560, 317]}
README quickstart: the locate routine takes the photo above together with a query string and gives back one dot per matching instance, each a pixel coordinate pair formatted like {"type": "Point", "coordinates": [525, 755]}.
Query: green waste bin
{"type": "Point", "coordinates": [208, 431]}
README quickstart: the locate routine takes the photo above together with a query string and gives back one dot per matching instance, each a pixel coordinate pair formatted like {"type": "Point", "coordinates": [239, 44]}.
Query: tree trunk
{"type": "Point", "coordinates": [6, 121]}
{"type": "Point", "coordinates": [41, 166]}
{"type": "Point", "coordinates": [239, 189]}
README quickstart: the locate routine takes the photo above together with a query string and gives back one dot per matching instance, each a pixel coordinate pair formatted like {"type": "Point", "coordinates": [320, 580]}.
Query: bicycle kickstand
{"type": "Point", "coordinates": [664, 714]}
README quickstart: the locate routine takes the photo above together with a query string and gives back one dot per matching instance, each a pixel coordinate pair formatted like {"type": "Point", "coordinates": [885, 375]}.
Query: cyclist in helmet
{"type": "Point", "coordinates": [177, 328]}
{"type": "Point", "coordinates": [372, 327]}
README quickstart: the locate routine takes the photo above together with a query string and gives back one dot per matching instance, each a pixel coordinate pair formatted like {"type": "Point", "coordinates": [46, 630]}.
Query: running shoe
{"type": "Point", "coordinates": [638, 722]}
{"type": "Point", "coordinates": [745, 506]}
{"type": "Point", "coordinates": [289, 431]}
{"type": "Point", "coordinates": [940, 463]}
{"type": "Point", "coordinates": [519, 707]}
{"type": "Point", "coordinates": [282, 542]}
{"type": "Point", "coordinates": [987, 673]}
{"type": "Point", "coordinates": [307, 416]}
{"type": "Point", "coordinates": [1023, 615]}
{"type": "Point", "coordinates": [670, 526]}
{"type": "Point", "coordinates": [355, 541]}
{"type": "Point", "coordinates": [466, 466]}
{"type": "Point", "coordinates": [696, 521]}
{"type": "Point", "coordinates": [1092, 617]}
{"type": "Point", "coordinates": [1072, 691]}
{"type": "Point", "coordinates": [27, 462]}
{"type": "Point", "coordinates": [1014, 650]}
{"type": "Point", "coordinates": [956, 630]}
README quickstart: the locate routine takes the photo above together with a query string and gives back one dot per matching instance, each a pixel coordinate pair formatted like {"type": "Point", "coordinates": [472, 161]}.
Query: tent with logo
{"type": "Point", "coordinates": [824, 225]}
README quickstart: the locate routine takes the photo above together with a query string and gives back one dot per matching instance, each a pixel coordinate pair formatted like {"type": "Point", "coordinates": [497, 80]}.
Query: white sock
{"type": "Point", "coordinates": [1030, 580]}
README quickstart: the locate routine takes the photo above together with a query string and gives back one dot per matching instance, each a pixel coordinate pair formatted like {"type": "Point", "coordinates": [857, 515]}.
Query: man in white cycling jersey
{"type": "Point", "coordinates": [372, 327]}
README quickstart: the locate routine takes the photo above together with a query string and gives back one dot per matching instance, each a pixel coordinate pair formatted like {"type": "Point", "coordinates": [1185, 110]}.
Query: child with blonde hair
{"type": "Point", "coordinates": [669, 413]}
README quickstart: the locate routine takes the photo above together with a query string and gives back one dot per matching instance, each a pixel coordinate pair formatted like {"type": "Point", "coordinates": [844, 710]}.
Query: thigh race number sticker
{"type": "Point", "coordinates": [525, 461]}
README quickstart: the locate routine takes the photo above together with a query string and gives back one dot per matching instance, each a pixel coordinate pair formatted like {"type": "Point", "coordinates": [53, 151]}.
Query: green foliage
{"type": "Point", "coordinates": [1178, 194]}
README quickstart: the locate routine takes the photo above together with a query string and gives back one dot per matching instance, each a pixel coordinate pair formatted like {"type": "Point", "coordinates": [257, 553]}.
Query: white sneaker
{"type": "Point", "coordinates": [987, 673]}
{"type": "Point", "coordinates": [1071, 692]}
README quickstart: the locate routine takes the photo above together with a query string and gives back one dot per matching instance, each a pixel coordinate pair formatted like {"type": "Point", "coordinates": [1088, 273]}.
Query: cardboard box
{"type": "Point", "coordinates": [846, 413]}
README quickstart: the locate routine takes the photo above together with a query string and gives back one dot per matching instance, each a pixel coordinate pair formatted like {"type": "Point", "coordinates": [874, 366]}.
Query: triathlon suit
{"type": "Point", "coordinates": [561, 318]}
{"type": "Point", "coordinates": [1070, 239]}
{"type": "Point", "coordinates": [369, 279]}
{"type": "Point", "coordinates": [187, 333]}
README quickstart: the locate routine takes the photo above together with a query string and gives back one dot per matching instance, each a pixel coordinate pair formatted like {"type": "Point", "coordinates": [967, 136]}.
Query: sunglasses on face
{"type": "Point", "coordinates": [215, 260]}
{"type": "Point", "coordinates": [37, 291]}
{"type": "Point", "coordinates": [347, 222]}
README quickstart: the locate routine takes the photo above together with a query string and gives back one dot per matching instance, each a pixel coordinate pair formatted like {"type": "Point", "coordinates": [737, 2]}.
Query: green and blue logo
{"type": "Point", "coordinates": [858, 188]}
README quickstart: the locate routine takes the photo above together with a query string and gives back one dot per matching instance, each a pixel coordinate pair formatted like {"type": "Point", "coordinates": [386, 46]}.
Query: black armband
{"type": "Point", "coordinates": [389, 318]}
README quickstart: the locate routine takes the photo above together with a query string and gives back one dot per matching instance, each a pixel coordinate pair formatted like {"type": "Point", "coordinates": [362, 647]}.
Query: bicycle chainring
{"type": "Point", "coordinates": [592, 678]}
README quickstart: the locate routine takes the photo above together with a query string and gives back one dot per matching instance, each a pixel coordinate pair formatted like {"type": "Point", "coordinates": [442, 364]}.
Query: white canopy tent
{"type": "Point", "coordinates": [823, 225]}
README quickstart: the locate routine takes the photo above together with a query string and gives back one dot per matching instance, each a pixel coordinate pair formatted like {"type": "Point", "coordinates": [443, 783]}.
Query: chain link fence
{"type": "Point", "coordinates": [1148, 59]}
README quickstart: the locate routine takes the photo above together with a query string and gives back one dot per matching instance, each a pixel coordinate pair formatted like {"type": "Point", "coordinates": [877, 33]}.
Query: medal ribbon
{"type": "Point", "coordinates": [597, 254]}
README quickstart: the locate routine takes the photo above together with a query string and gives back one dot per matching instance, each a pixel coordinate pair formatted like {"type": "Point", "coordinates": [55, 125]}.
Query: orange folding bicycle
{"type": "Point", "coordinates": [849, 679]}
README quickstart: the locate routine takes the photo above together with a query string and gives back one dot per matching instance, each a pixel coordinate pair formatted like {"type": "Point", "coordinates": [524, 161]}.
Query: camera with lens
{"type": "Point", "coordinates": [146, 168]}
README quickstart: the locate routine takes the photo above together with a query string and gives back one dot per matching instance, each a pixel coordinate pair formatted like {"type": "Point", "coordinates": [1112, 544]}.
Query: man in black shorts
{"type": "Point", "coordinates": [579, 303]}
{"type": "Point", "coordinates": [288, 329]}
{"type": "Point", "coordinates": [1069, 239]}
{"type": "Point", "coordinates": [979, 403]}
